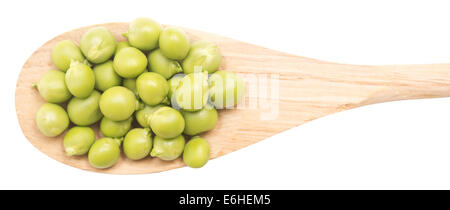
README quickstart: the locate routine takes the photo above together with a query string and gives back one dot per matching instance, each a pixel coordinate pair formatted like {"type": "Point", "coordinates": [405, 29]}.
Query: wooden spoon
{"type": "Point", "coordinates": [283, 91]}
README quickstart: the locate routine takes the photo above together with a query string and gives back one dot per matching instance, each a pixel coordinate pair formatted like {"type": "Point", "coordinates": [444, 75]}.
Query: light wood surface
{"type": "Point", "coordinates": [306, 90]}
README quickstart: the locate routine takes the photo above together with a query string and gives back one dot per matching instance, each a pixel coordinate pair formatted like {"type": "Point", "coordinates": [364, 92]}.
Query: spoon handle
{"type": "Point", "coordinates": [414, 82]}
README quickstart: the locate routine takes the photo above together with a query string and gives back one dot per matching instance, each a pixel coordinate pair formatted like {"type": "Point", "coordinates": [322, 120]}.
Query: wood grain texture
{"type": "Point", "coordinates": [306, 90]}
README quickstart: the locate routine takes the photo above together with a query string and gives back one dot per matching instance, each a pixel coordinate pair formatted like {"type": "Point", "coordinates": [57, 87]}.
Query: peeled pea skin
{"type": "Point", "coordinates": [137, 143]}
{"type": "Point", "coordinates": [167, 122]}
{"type": "Point", "coordinates": [118, 103]}
{"type": "Point", "coordinates": [52, 87]}
{"type": "Point", "coordinates": [85, 111]}
{"type": "Point", "coordinates": [51, 119]}
{"type": "Point", "coordinates": [196, 152]}
{"type": "Point", "coordinates": [174, 43]}
{"type": "Point", "coordinates": [64, 53]}
{"type": "Point", "coordinates": [168, 149]}
{"type": "Point", "coordinates": [104, 153]}
{"type": "Point", "coordinates": [105, 76]}
{"type": "Point", "coordinates": [199, 121]}
{"type": "Point", "coordinates": [227, 89]}
{"type": "Point", "coordinates": [192, 92]}
{"type": "Point", "coordinates": [143, 33]}
{"type": "Point", "coordinates": [121, 45]}
{"type": "Point", "coordinates": [130, 62]}
{"type": "Point", "coordinates": [115, 129]}
{"type": "Point", "coordinates": [203, 56]}
{"type": "Point", "coordinates": [80, 80]}
{"type": "Point", "coordinates": [78, 140]}
{"type": "Point", "coordinates": [152, 88]}
{"type": "Point", "coordinates": [162, 65]}
{"type": "Point", "coordinates": [143, 115]}
{"type": "Point", "coordinates": [98, 44]}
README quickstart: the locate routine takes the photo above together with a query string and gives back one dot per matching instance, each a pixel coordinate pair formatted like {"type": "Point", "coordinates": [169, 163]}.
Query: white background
{"type": "Point", "coordinates": [398, 145]}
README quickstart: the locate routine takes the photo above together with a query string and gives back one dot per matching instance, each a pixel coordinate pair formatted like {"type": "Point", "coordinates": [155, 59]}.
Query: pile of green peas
{"type": "Point", "coordinates": [149, 94]}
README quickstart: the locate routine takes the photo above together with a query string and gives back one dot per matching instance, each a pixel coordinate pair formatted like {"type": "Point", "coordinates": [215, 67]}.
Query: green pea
{"type": "Point", "coordinates": [143, 33]}
{"type": "Point", "coordinates": [192, 91]}
{"type": "Point", "coordinates": [106, 76]}
{"type": "Point", "coordinates": [167, 149]}
{"type": "Point", "coordinates": [199, 121]}
{"type": "Point", "coordinates": [52, 87]}
{"type": "Point", "coordinates": [152, 88]}
{"type": "Point", "coordinates": [80, 80]}
{"type": "Point", "coordinates": [104, 153]}
{"type": "Point", "coordinates": [173, 84]}
{"type": "Point", "coordinates": [78, 140]}
{"type": "Point", "coordinates": [64, 53]}
{"type": "Point", "coordinates": [167, 122]}
{"type": "Point", "coordinates": [174, 43]}
{"type": "Point", "coordinates": [143, 115]}
{"type": "Point", "coordinates": [162, 65]}
{"type": "Point", "coordinates": [196, 152]}
{"type": "Point", "coordinates": [130, 83]}
{"type": "Point", "coordinates": [203, 56]}
{"type": "Point", "coordinates": [137, 143]}
{"type": "Point", "coordinates": [85, 111]}
{"type": "Point", "coordinates": [118, 103]}
{"type": "Point", "coordinates": [115, 129]}
{"type": "Point", "coordinates": [51, 119]}
{"type": "Point", "coordinates": [121, 45]}
{"type": "Point", "coordinates": [98, 44]}
{"type": "Point", "coordinates": [130, 62]}
{"type": "Point", "coordinates": [227, 89]}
